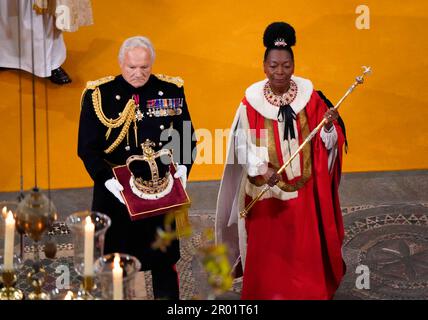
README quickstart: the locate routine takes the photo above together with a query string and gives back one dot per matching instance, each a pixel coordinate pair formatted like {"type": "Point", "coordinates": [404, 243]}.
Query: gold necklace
{"type": "Point", "coordinates": [279, 100]}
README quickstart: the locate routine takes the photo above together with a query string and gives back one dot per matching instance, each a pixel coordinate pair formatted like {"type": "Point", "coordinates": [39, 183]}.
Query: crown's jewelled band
{"type": "Point", "coordinates": [152, 186]}
{"type": "Point", "coordinates": [155, 184]}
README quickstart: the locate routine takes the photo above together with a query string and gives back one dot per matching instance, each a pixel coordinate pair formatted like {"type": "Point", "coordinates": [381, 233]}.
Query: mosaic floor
{"type": "Point", "coordinates": [390, 242]}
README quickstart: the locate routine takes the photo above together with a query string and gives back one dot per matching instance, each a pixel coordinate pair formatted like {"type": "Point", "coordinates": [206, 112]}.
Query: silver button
{"type": "Point", "coordinates": [160, 144]}
{"type": "Point", "coordinates": [117, 97]}
{"type": "Point", "coordinates": [162, 127]}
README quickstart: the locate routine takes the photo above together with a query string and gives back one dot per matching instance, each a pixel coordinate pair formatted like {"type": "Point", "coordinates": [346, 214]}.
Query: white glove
{"type": "Point", "coordinates": [115, 187]}
{"type": "Point", "coordinates": [182, 174]}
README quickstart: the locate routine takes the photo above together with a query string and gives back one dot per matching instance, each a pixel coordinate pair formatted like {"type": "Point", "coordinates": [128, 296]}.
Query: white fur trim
{"type": "Point", "coordinates": [147, 196]}
{"type": "Point", "coordinates": [248, 153]}
{"type": "Point", "coordinates": [256, 98]}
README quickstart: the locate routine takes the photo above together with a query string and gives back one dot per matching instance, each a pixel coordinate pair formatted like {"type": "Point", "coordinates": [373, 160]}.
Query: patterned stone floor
{"type": "Point", "coordinates": [390, 242]}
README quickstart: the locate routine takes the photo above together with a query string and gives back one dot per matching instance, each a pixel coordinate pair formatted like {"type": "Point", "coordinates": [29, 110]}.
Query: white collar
{"type": "Point", "coordinates": [254, 95]}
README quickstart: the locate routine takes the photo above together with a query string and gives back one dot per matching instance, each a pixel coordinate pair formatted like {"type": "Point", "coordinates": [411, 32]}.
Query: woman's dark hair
{"type": "Point", "coordinates": [280, 36]}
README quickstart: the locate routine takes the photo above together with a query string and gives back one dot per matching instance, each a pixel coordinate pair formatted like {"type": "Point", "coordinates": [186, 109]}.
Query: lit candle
{"type": "Point", "coordinates": [69, 295]}
{"type": "Point", "coordinates": [4, 212]}
{"type": "Point", "coordinates": [88, 261]}
{"type": "Point", "coordinates": [117, 278]}
{"type": "Point", "coordinates": [9, 240]}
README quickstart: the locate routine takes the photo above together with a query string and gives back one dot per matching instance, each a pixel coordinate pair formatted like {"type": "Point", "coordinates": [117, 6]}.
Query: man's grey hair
{"type": "Point", "coordinates": [136, 42]}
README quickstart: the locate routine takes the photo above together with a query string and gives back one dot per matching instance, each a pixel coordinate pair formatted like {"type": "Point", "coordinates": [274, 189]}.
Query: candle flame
{"type": "Point", "coordinates": [69, 295]}
{"type": "Point", "coordinates": [9, 218]}
{"type": "Point", "coordinates": [116, 261]}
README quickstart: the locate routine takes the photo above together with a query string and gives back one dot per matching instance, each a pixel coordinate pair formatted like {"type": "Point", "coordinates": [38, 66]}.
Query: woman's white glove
{"type": "Point", "coordinates": [182, 174]}
{"type": "Point", "coordinates": [115, 187]}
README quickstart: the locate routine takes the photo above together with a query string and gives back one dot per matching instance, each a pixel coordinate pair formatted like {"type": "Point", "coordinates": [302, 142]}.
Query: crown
{"type": "Point", "coordinates": [150, 176]}
{"type": "Point", "coordinates": [280, 42]}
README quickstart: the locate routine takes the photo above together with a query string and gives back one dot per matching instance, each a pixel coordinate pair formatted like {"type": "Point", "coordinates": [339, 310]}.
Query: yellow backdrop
{"type": "Point", "coordinates": [216, 47]}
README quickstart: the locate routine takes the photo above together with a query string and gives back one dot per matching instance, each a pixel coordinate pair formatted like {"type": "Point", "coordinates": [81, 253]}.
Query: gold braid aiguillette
{"type": "Point", "coordinates": [125, 119]}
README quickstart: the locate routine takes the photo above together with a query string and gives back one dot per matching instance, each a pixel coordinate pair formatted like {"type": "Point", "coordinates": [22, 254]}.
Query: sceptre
{"type": "Point", "coordinates": [359, 80]}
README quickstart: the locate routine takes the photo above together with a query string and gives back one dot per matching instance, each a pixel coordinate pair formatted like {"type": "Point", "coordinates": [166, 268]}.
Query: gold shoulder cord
{"type": "Point", "coordinates": [92, 85]}
{"type": "Point", "coordinates": [110, 123]}
{"type": "Point", "coordinates": [175, 80]}
{"type": "Point", "coordinates": [125, 118]}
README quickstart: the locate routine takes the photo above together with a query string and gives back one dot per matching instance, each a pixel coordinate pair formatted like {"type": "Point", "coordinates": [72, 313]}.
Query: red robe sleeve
{"type": "Point", "coordinates": [326, 191]}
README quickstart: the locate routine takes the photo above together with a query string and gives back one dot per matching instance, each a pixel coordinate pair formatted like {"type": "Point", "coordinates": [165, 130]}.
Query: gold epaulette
{"type": "Point", "coordinates": [93, 84]}
{"type": "Point", "coordinates": [175, 80]}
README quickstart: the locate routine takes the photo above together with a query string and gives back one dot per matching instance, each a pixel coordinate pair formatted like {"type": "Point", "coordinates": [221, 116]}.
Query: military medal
{"type": "Point", "coordinates": [164, 107]}
{"type": "Point", "coordinates": [139, 115]}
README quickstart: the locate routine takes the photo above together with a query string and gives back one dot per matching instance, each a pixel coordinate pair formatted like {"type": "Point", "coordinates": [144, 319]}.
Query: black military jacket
{"type": "Point", "coordinates": [164, 100]}
{"type": "Point", "coordinates": [163, 107]}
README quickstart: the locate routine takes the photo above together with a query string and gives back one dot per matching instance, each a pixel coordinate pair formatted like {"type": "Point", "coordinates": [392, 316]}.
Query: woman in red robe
{"type": "Point", "coordinates": [289, 246]}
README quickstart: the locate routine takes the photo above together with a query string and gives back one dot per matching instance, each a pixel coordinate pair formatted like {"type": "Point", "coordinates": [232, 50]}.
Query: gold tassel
{"type": "Point", "coordinates": [182, 222]}
{"type": "Point", "coordinates": [135, 133]}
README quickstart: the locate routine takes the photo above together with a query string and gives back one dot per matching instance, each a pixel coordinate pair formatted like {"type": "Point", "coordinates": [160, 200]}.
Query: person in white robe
{"type": "Point", "coordinates": [31, 34]}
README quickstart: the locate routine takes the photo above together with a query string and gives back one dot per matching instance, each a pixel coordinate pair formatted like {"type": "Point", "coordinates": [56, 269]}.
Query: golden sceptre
{"type": "Point", "coordinates": [359, 80]}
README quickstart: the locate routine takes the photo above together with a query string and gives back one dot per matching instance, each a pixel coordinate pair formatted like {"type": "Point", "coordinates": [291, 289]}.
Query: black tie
{"type": "Point", "coordinates": [286, 114]}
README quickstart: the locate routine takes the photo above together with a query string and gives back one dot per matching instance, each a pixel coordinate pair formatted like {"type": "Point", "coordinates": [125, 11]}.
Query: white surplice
{"type": "Point", "coordinates": [48, 43]}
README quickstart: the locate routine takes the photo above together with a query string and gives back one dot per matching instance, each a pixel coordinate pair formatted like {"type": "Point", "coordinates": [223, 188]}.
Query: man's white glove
{"type": "Point", "coordinates": [182, 174]}
{"type": "Point", "coordinates": [115, 187]}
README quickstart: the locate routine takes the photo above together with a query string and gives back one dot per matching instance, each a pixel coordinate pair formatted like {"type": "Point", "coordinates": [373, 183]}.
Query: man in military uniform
{"type": "Point", "coordinates": [118, 114]}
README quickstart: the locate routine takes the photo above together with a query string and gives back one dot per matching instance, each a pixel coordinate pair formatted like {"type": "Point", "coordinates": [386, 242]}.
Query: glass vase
{"type": "Point", "coordinates": [104, 270]}
{"type": "Point", "coordinates": [84, 258]}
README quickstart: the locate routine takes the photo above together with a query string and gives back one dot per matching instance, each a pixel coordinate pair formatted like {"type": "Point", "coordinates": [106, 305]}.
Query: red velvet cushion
{"type": "Point", "coordinates": [141, 208]}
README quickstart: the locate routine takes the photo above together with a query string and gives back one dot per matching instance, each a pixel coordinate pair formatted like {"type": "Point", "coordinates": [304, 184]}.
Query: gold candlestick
{"type": "Point", "coordinates": [88, 285]}
{"type": "Point", "coordinates": [9, 292]}
{"type": "Point", "coordinates": [36, 278]}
